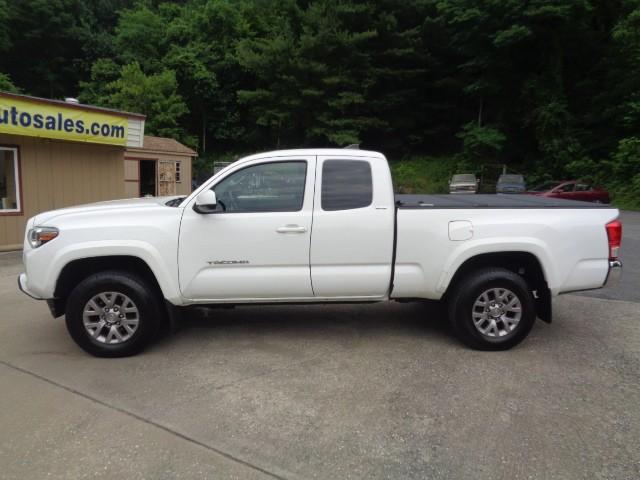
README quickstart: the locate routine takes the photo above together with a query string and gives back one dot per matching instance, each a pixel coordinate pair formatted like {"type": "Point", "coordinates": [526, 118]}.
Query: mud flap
{"type": "Point", "coordinates": [543, 304]}
{"type": "Point", "coordinates": [174, 316]}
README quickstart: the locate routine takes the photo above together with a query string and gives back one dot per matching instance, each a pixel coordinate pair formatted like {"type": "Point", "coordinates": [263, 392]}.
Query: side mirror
{"type": "Point", "coordinates": [206, 202]}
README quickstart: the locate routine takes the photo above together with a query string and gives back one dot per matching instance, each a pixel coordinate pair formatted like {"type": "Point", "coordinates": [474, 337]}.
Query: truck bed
{"type": "Point", "coordinates": [488, 201]}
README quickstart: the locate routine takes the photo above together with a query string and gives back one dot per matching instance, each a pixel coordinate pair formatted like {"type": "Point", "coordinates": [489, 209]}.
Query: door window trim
{"type": "Point", "coordinates": [304, 186]}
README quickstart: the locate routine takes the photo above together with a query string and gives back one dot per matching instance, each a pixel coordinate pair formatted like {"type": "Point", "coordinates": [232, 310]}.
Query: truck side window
{"type": "Point", "coordinates": [346, 184]}
{"type": "Point", "coordinates": [266, 187]}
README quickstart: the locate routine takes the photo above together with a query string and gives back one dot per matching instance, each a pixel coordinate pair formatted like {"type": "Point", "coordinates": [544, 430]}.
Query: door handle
{"type": "Point", "coordinates": [291, 229]}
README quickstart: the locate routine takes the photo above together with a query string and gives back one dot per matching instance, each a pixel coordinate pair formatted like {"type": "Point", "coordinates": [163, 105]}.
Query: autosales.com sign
{"type": "Point", "coordinates": [31, 117]}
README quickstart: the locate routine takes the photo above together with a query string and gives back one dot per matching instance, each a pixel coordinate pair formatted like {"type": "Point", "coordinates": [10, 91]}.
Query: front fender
{"type": "Point", "coordinates": [44, 270]}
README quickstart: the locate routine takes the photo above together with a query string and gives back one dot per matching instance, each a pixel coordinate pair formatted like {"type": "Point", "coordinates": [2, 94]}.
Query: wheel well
{"type": "Point", "coordinates": [76, 271]}
{"type": "Point", "coordinates": [524, 264]}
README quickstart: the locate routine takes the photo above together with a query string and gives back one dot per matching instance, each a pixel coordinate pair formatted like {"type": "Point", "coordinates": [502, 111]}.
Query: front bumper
{"type": "Point", "coordinates": [56, 306]}
{"type": "Point", "coordinates": [23, 285]}
{"type": "Point", "coordinates": [614, 274]}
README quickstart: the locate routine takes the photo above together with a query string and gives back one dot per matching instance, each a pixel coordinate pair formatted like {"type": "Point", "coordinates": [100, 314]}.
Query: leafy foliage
{"type": "Point", "coordinates": [423, 174]}
{"type": "Point", "coordinates": [549, 88]}
{"type": "Point", "coordinates": [155, 94]}
{"type": "Point", "coordinates": [5, 43]}
{"type": "Point", "coordinates": [481, 142]}
{"type": "Point", "coordinates": [7, 85]}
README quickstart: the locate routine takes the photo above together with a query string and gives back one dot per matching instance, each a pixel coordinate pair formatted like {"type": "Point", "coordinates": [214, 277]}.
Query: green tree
{"type": "Point", "coordinates": [271, 60]}
{"type": "Point", "coordinates": [51, 42]}
{"type": "Point", "coordinates": [154, 95]}
{"type": "Point", "coordinates": [551, 88]}
{"type": "Point", "coordinates": [97, 89]}
{"type": "Point", "coordinates": [203, 38]}
{"type": "Point", "coordinates": [481, 142]}
{"type": "Point", "coordinates": [5, 42]}
{"type": "Point", "coordinates": [6, 85]}
{"type": "Point", "coordinates": [140, 37]}
{"type": "Point", "coordinates": [313, 72]}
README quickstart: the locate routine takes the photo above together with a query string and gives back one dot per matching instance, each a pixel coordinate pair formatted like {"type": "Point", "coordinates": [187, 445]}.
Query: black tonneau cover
{"type": "Point", "coordinates": [489, 201]}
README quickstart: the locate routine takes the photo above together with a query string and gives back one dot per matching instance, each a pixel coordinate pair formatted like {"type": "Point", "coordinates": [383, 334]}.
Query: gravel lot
{"type": "Point", "coordinates": [379, 391]}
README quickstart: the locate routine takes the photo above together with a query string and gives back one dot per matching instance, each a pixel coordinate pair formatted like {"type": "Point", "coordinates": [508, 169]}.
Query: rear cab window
{"type": "Point", "coordinates": [346, 184]}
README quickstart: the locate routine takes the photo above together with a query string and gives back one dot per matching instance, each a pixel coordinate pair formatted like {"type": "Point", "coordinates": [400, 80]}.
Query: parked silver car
{"type": "Point", "coordinates": [463, 183]}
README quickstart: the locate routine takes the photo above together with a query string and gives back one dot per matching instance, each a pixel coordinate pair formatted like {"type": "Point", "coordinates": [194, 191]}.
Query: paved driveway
{"type": "Point", "coordinates": [379, 391]}
{"type": "Point", "coordinates": [629, 288]}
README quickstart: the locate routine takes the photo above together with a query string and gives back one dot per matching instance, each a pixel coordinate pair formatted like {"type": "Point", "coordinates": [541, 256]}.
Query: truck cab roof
{"type": "Point", "coordinates": [342, 152]}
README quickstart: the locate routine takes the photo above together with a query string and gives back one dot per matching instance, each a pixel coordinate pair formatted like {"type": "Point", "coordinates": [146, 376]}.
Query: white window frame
{"type": "Point", "coordinates": [178, 173]}
{"type": "Point", "coordinates": [18, 180]}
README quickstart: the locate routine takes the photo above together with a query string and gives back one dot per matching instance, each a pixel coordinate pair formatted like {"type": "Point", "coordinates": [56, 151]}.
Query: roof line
{"type": "Point", "coordinates": [77, 106]}
{"type": "Point", "coordinates": [172, 152]}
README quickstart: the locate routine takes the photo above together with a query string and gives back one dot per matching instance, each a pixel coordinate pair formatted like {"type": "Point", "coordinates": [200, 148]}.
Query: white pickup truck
{"type": "Point", "coordinates": [314, 226]}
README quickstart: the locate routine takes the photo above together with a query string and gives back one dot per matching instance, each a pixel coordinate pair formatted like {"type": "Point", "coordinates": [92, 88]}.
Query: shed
{"type": "Point", "coordinates": [162, 166]}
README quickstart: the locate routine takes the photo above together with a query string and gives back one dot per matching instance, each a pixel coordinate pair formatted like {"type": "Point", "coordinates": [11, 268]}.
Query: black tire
{"type": "Point", "coordinates": [462, 304]}
{"type": "Point", "coordinates": [145, 298]}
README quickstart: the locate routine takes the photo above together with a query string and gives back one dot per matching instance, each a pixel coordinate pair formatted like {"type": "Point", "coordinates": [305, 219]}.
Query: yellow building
{"type": "Point", "coordinates": [54, 154]}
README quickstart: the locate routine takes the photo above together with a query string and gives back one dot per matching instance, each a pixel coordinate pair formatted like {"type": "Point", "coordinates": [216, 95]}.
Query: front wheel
{"type": "Point", "coordinates": [492, 309]}
{"type": "Point", "coordinates": [113, 314]}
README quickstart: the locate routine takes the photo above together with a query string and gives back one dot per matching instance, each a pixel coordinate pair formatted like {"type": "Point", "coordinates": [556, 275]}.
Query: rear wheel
{"type": "Point", "coordinates": [492, 309]}
{"type": "Point", "coordinates": [113, 314]}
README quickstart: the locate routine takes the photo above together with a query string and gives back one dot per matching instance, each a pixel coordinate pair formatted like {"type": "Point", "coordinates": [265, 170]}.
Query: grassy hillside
{"type": "Point", "coordinates": [432, 174]}
{"type": "Point", "coordinates": [423, 174]}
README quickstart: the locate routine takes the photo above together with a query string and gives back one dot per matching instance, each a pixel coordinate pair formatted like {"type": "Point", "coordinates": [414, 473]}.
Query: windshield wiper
{"type": "Point", "coordinates": [175, 202]}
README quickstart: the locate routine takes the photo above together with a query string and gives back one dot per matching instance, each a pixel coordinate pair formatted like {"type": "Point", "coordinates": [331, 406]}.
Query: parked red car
{"type": "Point", "coordinates": [571, 190]}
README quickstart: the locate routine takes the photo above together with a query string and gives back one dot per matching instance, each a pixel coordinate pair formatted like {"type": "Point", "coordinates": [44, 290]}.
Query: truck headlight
{"type": "Point", "coordinates": [40, 235]}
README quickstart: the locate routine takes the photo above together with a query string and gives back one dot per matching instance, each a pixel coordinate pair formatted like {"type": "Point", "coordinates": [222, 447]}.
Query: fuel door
{"type": "Point", "coordinates": [460, 230]}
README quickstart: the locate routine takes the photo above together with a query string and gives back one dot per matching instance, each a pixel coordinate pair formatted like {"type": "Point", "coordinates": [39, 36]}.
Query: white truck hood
{"type": "Point", "coordinates": [42, 218]}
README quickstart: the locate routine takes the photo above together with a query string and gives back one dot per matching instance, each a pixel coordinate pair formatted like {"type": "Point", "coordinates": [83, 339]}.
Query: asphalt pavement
{"type": "Point", "coordinates": [345, 391]}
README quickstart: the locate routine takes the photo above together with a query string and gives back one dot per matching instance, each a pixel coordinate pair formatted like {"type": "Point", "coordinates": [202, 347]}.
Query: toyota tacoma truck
{"type": "Point", "coordinates": [314, 226]}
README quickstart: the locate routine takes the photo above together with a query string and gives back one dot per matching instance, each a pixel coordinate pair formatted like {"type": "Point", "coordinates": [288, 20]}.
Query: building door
{"type": "Point", "coordinates": [148, 178]}
{"type": "Point", "coordinates": [131, 178]}
{"type": "Point", "coordinates": [166, 178]}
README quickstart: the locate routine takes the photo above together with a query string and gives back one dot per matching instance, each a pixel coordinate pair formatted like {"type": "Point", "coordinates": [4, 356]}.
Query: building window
{"type": "Point", "coordinates": [9, 181]}
{"type": "Point", "coordinates": [178, 172]}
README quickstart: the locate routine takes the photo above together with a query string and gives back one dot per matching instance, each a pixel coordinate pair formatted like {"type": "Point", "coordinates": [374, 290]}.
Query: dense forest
{"type": "Point", "coordinates": [550, 88]}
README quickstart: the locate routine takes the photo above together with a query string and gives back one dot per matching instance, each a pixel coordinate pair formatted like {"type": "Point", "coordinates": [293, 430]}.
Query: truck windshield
{"type": "Point", "coordinates": [511, 179]}
{"type": "Point", "coordinates": [463, 178]}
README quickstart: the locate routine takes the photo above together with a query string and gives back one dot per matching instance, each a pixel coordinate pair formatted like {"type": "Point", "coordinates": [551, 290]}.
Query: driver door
{"type": "Point", "coordinates": [256, 245]}
{"type": "Point", "coordinates": [567, 191]}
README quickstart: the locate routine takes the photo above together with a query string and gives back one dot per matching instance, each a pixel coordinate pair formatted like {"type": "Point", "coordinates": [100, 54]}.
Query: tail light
{"type": "Point", "coordinates": [614, 233]}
